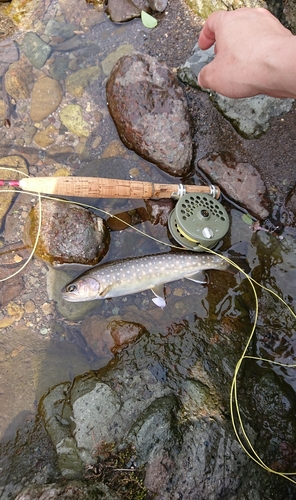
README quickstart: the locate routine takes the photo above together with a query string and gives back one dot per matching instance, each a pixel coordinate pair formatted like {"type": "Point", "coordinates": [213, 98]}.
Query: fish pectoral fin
{"type": "Point", "coordinates": [104, 292]}
{"type": "Point", "coordinates": [159, 299]}
{"type": "Point", "coordinates": [198, 277]}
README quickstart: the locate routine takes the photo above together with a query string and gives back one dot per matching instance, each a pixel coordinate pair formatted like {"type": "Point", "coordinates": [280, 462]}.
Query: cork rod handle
{"type": "Point", "coordinates": [95, 187]}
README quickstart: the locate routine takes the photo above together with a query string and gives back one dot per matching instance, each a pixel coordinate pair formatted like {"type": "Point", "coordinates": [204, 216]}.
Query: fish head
{"type": "Point", "coordinates": [82, 289]}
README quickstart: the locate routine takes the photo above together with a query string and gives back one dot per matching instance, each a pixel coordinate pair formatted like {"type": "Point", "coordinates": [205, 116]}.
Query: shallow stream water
{"type": "Point", "coordinates": [42, 341]}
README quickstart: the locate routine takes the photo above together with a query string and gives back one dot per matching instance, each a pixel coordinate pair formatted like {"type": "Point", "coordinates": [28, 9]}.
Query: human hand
{"type": "Point", "coordinates": [255, 54]}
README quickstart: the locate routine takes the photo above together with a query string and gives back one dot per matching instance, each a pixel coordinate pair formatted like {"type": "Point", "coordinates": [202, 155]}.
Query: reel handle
{"type": "Point", "coordinates": [96, 187]}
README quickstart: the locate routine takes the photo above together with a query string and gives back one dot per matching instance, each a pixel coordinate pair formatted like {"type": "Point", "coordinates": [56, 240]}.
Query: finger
{"type": "Point", "coordinates": [207, 36]}
{"type": "Point", "coordinates": [205, 78]}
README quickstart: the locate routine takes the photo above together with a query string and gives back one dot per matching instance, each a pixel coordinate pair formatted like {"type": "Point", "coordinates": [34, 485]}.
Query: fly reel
{"type": "Point", "coordinates": [198, 219]}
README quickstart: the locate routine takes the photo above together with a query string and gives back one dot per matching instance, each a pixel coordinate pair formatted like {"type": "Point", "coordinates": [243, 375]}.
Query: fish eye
{"type": "Point", "coordinates": [71, 288]}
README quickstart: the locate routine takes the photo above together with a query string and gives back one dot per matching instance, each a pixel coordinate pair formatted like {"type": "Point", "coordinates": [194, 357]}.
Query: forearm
{"type": "Point", "coordinates": [280, 68]}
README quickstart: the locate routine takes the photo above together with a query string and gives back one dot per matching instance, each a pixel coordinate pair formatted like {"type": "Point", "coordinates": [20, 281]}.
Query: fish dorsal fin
{"type": "Point", "coordinates": [198, 277]}
{"type": "Point", "coordinates": [159, 299]}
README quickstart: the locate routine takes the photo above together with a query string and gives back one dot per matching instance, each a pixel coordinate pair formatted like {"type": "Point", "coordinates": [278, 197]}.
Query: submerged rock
{"type": "Point", "coordinates": [150, 112]}
{"type": "Point", "coordinates": [69, 233]}
{"type": "Point", "coordinates": [240, 181]}
{"type": "Point", "coordinates": [17, 163]}
{"type": "Point", "coordinates": [35, 49]}
{"type": "Point", "coordinates": [124, 10]}
{"type": "Point", "coordinates": [46, 97]}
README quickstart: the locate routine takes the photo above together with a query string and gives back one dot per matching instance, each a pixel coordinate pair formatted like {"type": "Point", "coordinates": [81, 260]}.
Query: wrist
{"type": "Point", "coordinates": [279, 67]}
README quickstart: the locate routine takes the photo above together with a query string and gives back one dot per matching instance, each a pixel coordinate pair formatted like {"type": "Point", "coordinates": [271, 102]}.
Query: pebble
{"type": "Point", "coordinates": [35, 49]}
{"type": "Point", "coordinates": [46, 97]}
{"type": "Point", "coordinates": [78, 81]}
{"type": "Point", "coordinates": [72, 117]}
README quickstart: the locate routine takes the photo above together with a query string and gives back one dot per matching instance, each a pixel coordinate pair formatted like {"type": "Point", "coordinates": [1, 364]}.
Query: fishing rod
{"type": "Point", "coordinates": [97, 187]}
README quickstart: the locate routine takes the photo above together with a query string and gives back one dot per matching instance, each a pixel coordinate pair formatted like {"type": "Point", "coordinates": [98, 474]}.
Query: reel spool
{"type": "Point", "coordinates": [198, 219]}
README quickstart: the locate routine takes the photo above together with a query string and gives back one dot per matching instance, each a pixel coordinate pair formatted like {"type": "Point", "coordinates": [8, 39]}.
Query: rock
{"type": "Point", "coordinates": [114, 148]}
{"type": "Point", "coordinates": [240, 181]}
{"type": "Point", "coordinates": [159, 211]}
{"type": "Point", "coordinates": [18, 79]}
{"type": "Point", "coordinates": [290, 205]}
{"type": "Point", "coordinates": [69, 233]}
{"type": "Point", "coordinates": [74, 43]}
{"type": "Point", "coordinates": [71, 116]}
{"type": "Point", "coordinates": [97, 334]}
{"type": "Point", "coordinates": [150, 112]}
{"type": "Point", "coordinates": [158, 5]}
{"type": "Point", "coordinates": [18, 163]}
{"type": "Point", "coordinates": [46, 137]}
{"type": "Point", "coordinates": [26, 15]}
{"type": "Point", "coordinates": [125, 10]}
{"type": "Point", "coordinates": [10, 289]}
{"type": "Point", "coordinates": [250, 116]}
{"type": "Point", "coordinates": [8, 54]}
{"type": "Point", "coordinates": [59, 29]}
{"type": "Point", "coordinates": [59, 68]}
{"type": "Point", "coordinates": [46, 97]}
{"type": "Point", "coordinates": [73, 489]}
{"type": "Point", "coordinates": [290, 14]}
{"type": "Point", "coordinates": [35, 49]}
{"type": "Point", "coordinates": [125, 332]}
{"type": "Point", "coordinates": [78, 13]}
{"type": "Point", "coordinates": [78, 81]}
{"type": "Point", "coordinates": [204, 8]}
{"type": "Point", "coordinates": [109, 62]}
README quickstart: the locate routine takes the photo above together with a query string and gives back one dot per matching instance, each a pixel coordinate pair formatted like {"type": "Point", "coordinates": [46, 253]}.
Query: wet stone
{"type": "Point", "coordinates": [73, 489]}
{"type": "Point", "coordinates": [71, 116]}
{"type": "Point", "coordinates": [69, 233]}
{"type": "Point", "coordinates": [18, 163]}
{"type": "Point", "coordinates": [240, 181]}
{"type": "Point", "coordinates": [158, 5]}
{"type": "Point", "coordinates": [109, 62]}
{"type": "Point", "coordinates": [46, 97]}
{"type": "Point", "coordinates": [79, 13]}
{"type": "Point", "coordinates": [150, 112]}
{"type": "Point", "coordinates": [290, 206]}
{"type": "Point", "coordinates": [125, 10]}
{"type": "Point", "coordinates": [59, 29]}
{"type": "Point", "coordinates": [249, 116]}
{"type": "Point", "coordinates": [59, 68]}
{"type": "Point", "coordinates": [35, 49]}
{"type": "Point", "coordinates": [125, 332]}
{"type": "Point", "coordinates": [18, 79]}
{"type": "Point", "coordinates": [78, 81]}
{"type": "Point", "coordinates": [159, 211]}
{"type": "Point", "coordinates": [8, 54]}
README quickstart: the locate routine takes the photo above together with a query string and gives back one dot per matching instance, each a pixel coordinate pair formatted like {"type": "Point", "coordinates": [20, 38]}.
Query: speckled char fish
{"type": "Point", "coordinates": [124, 277]}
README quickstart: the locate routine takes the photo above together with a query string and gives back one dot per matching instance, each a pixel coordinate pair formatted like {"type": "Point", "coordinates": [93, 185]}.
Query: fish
{"type": "Point", "coordinates": [134, 275]}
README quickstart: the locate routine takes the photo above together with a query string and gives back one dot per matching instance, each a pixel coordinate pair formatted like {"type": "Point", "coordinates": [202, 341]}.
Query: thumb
{"type": "Point", "coordinates": [205, 77]}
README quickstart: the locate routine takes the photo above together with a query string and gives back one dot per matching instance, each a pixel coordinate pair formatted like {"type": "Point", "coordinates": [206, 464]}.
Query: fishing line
{"type": "Point", "coordinates": [234, 403]}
